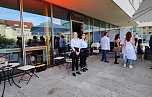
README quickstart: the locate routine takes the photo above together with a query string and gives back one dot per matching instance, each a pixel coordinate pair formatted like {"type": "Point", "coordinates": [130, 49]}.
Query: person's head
{"type": "Point", "coordinates": [62, 36]}
{"type": "Point", "coordinates": [83, 36]}
{"type": "Point", "coordinates": [42, 38]}
{"type": "Point", "coordinates": [139, 41]}
{"type": "Point", "coordinates": [29, 40]}
{"type": "Point", "coordinates": [105, 33]}
{"type": "Point", "coordinates": [34, 37]}
{"type": "Point", "coordinates": [75, 35]}
{"type": "Point", "coordinates": [117, 36]}
{"type": "Point", "coordinates": [136, 33]}
{"type": "Point", "coordinates": [128, 36]}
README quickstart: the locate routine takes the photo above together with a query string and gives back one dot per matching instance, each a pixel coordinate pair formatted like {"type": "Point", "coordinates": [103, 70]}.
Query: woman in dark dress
{"type": "Point", "coordinates": [117, 47]}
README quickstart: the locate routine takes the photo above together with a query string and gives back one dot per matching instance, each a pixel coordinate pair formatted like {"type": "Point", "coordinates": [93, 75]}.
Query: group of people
{"type": "Point", "coordinates": [128, 48]}
{"type": "Point", "coordinates": [78, 49]}
{"type": "Point", "coordinates": [36, 42]}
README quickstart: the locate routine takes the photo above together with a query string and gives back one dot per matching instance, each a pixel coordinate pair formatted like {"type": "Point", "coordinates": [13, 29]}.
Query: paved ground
{"type": "Point", "coordinates": [102, 80]}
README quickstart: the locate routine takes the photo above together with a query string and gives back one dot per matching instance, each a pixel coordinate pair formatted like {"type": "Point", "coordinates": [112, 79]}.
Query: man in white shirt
{"type": "Point", "coordinates": [105, 46]}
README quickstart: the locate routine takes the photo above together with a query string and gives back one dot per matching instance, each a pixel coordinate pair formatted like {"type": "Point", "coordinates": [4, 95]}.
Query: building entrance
{"type": "Point", "coordinates": [77, 27]}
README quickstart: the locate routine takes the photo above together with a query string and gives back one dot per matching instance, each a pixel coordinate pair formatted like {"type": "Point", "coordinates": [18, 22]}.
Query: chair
{"type": "Point", "coordinates": [57, 60]}
{"type": "Point", "coordinates": [29, 70]}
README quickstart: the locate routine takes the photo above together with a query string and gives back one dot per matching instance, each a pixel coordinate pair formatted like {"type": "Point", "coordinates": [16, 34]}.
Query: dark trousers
{"type": "Point", "coordinates": [75, 63]}
{"type": "Point", "coordinates": [83, 61]}
{"type": "Point", "coordinates": [136, 41]}
{"type": "Point", "coordinates": [104, 55]}
{"type": "Point", "coordinates": [116, 58]}
{"type": "Point", "coordinates": [60, 51]}
{"type": "Point", "coordinates": [83, 57]}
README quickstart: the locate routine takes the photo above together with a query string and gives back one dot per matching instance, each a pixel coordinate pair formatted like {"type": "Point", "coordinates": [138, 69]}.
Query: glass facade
{"type": "Point", "coordinates": [39, 27]}
{"type": "Point", "coordinates": [10, 29]}
{"type": "Point", "coordinates": [96, 31]}
{"type": "Point", "coordinates": [61, 28]}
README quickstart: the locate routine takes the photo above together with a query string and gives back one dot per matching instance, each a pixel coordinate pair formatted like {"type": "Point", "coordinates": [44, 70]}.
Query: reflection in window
{"type": "Point", "coordinates": [36, 21]}
{"type": "Point", "coordinates": [9, 18]}
{"type": "Point", "coordinates": [96, 31]}
{"type": "Point", "coordinates": [61, 29]}
{"type": "Point", "coordinates": [37, 26]}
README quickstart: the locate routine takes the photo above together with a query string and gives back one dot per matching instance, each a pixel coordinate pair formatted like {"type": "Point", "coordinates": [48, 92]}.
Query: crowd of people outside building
{"type": "Point", "coordinates": [130, 48]}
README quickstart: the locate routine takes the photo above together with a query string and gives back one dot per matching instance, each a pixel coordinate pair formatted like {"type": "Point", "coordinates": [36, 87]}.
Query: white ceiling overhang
{"type": "Point", "coordinates": [144, 12]}
{"type": "Point", "coordinates": [105, 10]}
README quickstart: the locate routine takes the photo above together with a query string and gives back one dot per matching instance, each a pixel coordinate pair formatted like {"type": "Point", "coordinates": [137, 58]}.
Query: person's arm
{"type": "Point", "coordinates": [133, 41]}
{"type": "Point", "coordinates": [124, 42]}
{"type": "Point", "coordinates": [72, 46]}
{"type": "Point", "coordinates": [141, 47]}
{"type": "Point", "coordinates": [117, 41]}
{"type": "Point", "coordinates": [101, 42]}
{"type": "Point", "coordinates": [108, 43]}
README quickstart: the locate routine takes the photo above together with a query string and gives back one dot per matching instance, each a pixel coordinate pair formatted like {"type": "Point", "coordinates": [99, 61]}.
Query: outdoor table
{"type": "Point", "coordinates": [27, 69]}
{"type": "Point", "coordinates": [10, 69]}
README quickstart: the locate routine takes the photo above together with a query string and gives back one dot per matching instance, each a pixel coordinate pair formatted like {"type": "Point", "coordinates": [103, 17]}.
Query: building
{"type": "Point", "coordinates": [92, 17]}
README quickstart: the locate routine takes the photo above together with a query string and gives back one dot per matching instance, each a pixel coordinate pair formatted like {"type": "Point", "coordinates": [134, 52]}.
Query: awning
{"type": "Point", "coordinates": [144, 12]}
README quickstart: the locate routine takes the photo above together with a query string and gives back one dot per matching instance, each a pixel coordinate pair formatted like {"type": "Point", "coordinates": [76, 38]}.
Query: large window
{"type": "Point", "coordinates": [96, 31]}
{"type": "Point", "coordinates": [10, 30]}
{"type": "Point", "coordinates": [61, 28]}
{"type": "Point", "coordinates": [102, 28]}
{"type": "Point", "coordinates": [9, 23]}
{"type": "Point", "coordinates": [37, 27]}
{"type": "Point", "coordinates": [87, 28]}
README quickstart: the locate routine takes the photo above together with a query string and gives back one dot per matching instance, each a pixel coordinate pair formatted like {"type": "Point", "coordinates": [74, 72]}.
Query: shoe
{"type": "Point", "coordinates": [101, 60]}
{"type": "Point", "coordinates": [124, 65]}
{"type": "Point", "coordinates": [83, 70]}
{"type": "Point", "coordinates": [86, 69]}
{"type": "Point", "coordinates": [130, 66]}
{"type": "Point", "coordinates": [116, 63]}
{"type": "Point", "coordinates": [73, 74]}
{"type": "Point", "coordinates": [78, 73]}
{"type": "Point", "coordinates": [106, 61]}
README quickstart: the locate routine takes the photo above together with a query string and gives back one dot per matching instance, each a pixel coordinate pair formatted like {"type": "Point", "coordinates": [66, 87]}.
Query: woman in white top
{"type": "Point", "coordinates": [75, 46]}
{"type": "Point", "coordinates": [129, 51]}
{"type": "Point", "coordinates": [83, 53]}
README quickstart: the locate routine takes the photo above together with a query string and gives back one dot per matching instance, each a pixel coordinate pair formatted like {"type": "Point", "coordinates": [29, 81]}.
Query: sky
{"type": "Point", "coordinates": [11, 14]}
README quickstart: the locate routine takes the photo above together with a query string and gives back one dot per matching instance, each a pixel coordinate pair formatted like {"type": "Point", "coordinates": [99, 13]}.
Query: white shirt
{"type": "Point", "coordinates": [136, 36]}
{"type": "Point", "coordinates": [75, 43]}
{"type": "Point", "coordinates": [83, 44]}
{"type": "Point", "coordinates": [105, 43]}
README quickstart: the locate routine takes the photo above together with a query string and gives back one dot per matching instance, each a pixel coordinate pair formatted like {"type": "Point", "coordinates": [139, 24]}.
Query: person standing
{"type": "Point", "coordinates": [136, 38]}
{"type": "Point", "coordinates": [140, 50]}
{"type": "Point", "coordinates": [75, 46]}
{"type": "Point", "coordinates": [62, 45]}
{"type": "Point", "coordinates": [117, 48]}
{"type": "Point", "coordinates": [129, 50]}
{"type": "Point", "coordinates": [105, 46]}
{"type": "Point", "coordinates": [83, 53]}
{"type": "Point", "coordinates": [150, 45]}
